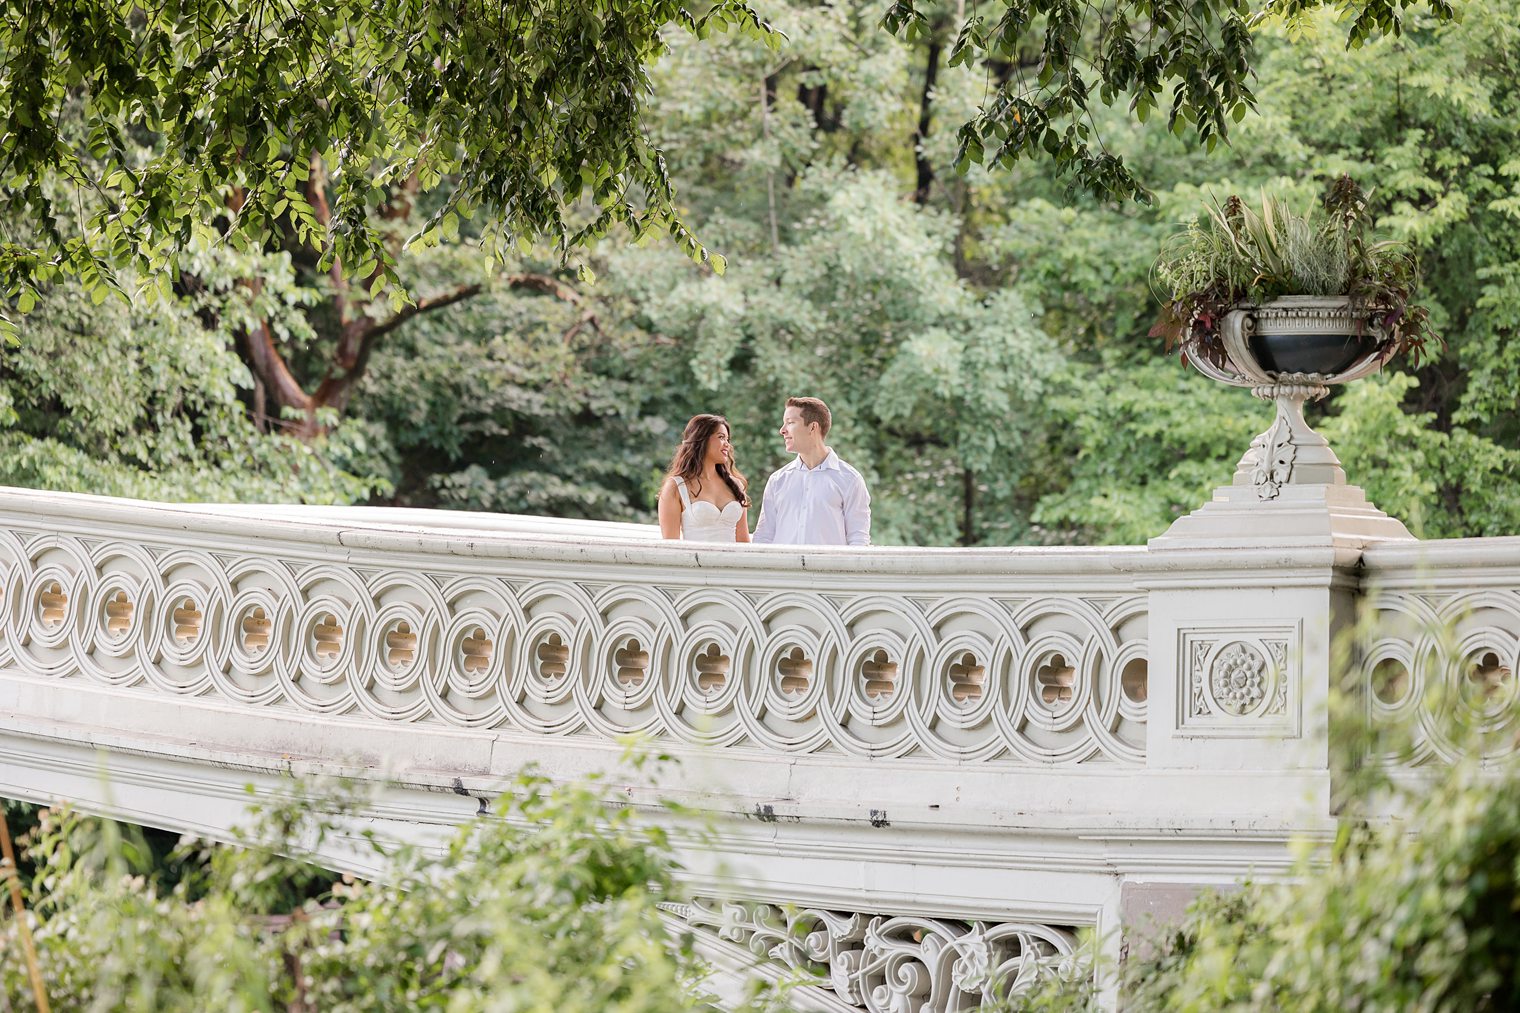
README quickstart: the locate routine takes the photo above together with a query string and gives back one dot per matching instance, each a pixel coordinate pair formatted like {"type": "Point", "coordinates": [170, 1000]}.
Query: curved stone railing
{"type": "Point", "coordinates": [1443, 617]}
{"type": "Point", "coordinates": [582, 630]}
{"type": "Point", "coordinates": [930, 767]}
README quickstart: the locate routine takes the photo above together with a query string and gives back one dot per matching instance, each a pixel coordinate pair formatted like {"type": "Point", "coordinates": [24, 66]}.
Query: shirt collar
{"type": "Point", "coordinates": [830, 462]}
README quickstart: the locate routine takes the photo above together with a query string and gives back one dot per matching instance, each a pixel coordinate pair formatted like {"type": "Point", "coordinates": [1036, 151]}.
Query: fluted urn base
{"type": "Point", "coordinates": [1288, 489]}
{"type": "Point", "coordinates": [1289, 451]}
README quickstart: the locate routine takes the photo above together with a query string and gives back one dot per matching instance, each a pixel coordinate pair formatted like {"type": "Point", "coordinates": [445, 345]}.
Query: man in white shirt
{"type": "Point", "coordinates": [817, 499]}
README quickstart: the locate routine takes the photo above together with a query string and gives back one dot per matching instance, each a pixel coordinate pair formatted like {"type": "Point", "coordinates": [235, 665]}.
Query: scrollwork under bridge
{"type": "Point", "coordinates": [888, 964]}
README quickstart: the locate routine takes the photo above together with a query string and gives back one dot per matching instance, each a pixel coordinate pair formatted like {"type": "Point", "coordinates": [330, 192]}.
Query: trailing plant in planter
{"type": "Point", "coordinates": [1237, 256]}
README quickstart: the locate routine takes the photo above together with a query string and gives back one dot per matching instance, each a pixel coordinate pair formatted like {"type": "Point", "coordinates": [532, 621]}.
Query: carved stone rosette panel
{"type": "Point", "coordinates": [1055, 678]}
{"type": "Point", "coordinates": [1240, 680]}
{"type": "Point", "coordinates": [1424, 655]}
{"type": "Point", "coordinates": [888, 964]}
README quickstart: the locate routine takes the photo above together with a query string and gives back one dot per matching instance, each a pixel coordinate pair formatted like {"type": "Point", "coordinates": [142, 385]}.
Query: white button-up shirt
{"type": "Point", "coordinates": [826, 505]}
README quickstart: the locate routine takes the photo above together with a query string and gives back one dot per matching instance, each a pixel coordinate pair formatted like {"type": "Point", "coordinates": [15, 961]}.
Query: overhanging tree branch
{"type": "Point", "coordinates": [378, 330]}
{"type": "Point", "coordinates": [1198, 54]}
{"type": "Point", "coordinates": [542, 106]}
{"type": "Point", "coordinates": [364, 334]}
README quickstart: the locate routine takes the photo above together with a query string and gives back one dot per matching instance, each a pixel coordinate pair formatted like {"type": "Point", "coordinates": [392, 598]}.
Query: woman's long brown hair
{"type": "Point", "coordinates": [687, 462]}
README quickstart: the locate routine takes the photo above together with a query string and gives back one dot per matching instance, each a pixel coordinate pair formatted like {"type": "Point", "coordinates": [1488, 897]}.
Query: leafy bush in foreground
{"type": "Point", "coordinates": [1418, 911]}
{"type": "Point", "coordinates": [1422, 913]}
{"type": "Point", "coordinates": [551, 905]}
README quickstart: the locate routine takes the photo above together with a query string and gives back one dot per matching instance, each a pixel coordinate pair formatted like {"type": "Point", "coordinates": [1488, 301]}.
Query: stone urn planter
{"type": "Point", "coordinates": [1290, 351]}
{"type": "Point", "coordinates": [1232, 279]}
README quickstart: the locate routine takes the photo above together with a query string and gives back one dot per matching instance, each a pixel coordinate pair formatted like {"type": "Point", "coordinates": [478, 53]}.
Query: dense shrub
{"type": "Point", "coordinates": [1415, 903]}
{"type": "Point", "coordinates": [550, 905]}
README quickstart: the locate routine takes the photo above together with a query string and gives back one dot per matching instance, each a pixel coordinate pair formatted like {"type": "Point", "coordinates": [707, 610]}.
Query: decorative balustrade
{"type": "Point", "coordinates": [1443, 631]}
{"type": "Point", "coordinates": [930, 766]}
{"type": "Point", "coordinates": [568, 636]}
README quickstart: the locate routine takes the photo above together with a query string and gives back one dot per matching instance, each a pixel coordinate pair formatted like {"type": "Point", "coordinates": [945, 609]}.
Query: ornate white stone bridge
{"type": "Point", "coordinates": [928, 767]}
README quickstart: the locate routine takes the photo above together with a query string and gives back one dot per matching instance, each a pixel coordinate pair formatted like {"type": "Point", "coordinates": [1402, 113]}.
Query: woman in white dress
{"type": "Point", "coordinates": [704, 498]}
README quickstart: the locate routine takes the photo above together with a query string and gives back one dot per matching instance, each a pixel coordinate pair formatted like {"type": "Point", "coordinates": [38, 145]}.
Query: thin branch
{"type": "Point", "coordinates": [13, 882]}
{"type": "Point", "coordinates": [770, 172]}
{"type": "Point", "coordinates": [437, 302]}
{"type": "Point", "coordinates": [316, 193]}
{"type": "Point", "coordinates": [545, 284]}
{"type": "Point", "coordinates": [587, 319]}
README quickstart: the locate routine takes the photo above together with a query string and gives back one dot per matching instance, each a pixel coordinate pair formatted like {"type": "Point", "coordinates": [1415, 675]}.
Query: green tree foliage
{"type": "Point", "coordinates": [146, 403]}
{"type": "Point", "coordinates": [136, 136]}
{"type": "Point", "coordinates": [1420, 119]}
{"type": "Point", "coordinates": [981, 334]}
{"type": "Point", "coordinates": [1044, 62]}
{"type": "Point", "coordinates": [524, 400]}
{"type": "Point", "coordinates": [177, 121]}
{"type": "Point", "coordinates": [1429, 120]}
{"type": "Point", "coordinates": [549, 904]}
{"type": "Point", "coordinates": [1145, 443]}
{"type": "Point", "coordinates": [865, 270]}
{"type": "Point", "coordinates": [1443, 481]}
{"type": "Point", "coordinates": [927, 378]}
{"type": "Point", "coordinates": [1121, 440]}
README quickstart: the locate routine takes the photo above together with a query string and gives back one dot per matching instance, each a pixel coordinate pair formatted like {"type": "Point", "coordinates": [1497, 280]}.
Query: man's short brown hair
{"type": "Point", "coordinates": [813, 410]}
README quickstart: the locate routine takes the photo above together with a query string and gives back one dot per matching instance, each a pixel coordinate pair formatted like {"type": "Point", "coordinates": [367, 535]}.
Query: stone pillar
{"type": "Point", "coordinates": [1247, 596]}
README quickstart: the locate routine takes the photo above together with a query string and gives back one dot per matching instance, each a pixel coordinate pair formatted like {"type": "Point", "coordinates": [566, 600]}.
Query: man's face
{"type": "Point", "coordinates": [796, 434]}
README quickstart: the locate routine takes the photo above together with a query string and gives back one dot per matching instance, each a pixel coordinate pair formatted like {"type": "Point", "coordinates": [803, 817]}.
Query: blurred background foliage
{"type": "Point", "coordinates": [981, 337]}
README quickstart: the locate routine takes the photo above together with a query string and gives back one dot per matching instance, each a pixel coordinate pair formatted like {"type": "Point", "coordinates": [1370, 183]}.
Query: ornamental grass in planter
{"type": "Point", "coordinates": [1274, 262]}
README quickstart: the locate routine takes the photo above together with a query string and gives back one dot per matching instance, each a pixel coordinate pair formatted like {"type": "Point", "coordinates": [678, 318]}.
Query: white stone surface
{"type": "Point", "coordinates": [1142, 717]}
{"type": "Point", "coordinates": [1300, 515]}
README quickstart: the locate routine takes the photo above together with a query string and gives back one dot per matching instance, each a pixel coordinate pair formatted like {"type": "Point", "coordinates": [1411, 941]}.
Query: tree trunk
{"type": "Point", "coordinates": [815, 100]}
{"type": "Point", "coordinates": [968, 507]}
{"type": "Point", "coordinates": [277, 392]}
{"type": "Point", "coordinates": [925, 169]}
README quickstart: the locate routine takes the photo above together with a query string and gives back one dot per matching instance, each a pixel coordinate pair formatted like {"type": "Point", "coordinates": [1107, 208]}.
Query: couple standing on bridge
{"type": "Point", "coordinates": [817, 499]}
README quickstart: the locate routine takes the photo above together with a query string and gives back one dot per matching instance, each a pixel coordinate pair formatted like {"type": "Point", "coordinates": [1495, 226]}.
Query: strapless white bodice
{"type": "Point", "coordinates": [703, 522]}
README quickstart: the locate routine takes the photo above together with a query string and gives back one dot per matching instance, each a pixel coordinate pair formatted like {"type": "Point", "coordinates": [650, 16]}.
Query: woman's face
{"type": "Point", "coordinates": [719, 450]}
